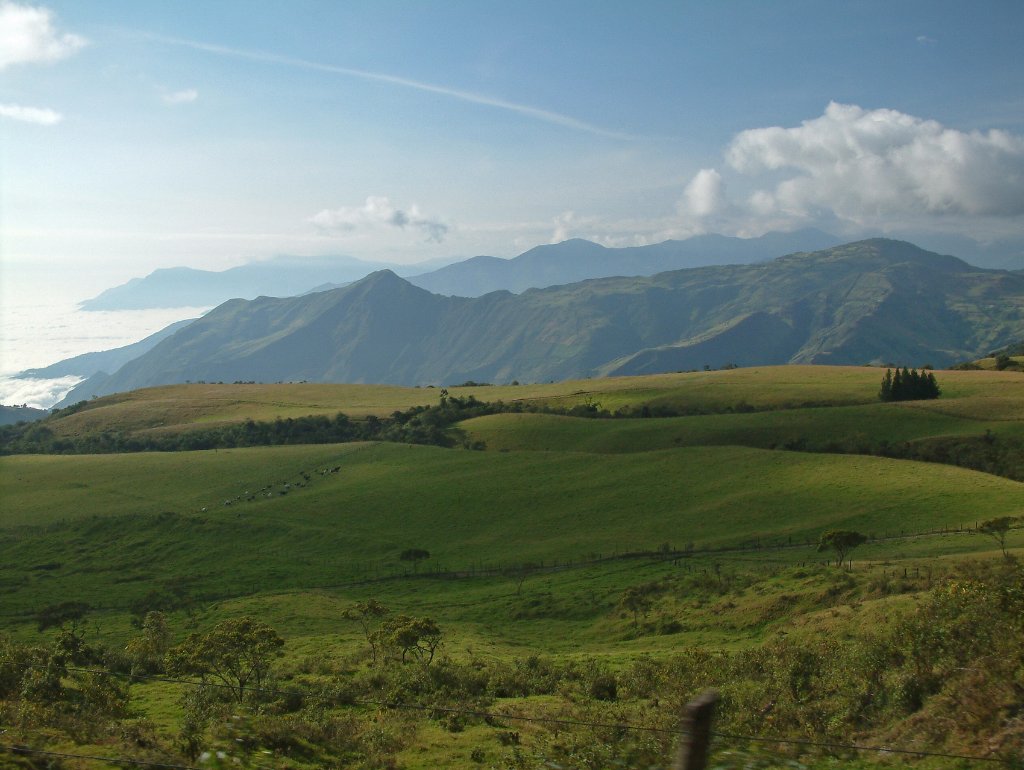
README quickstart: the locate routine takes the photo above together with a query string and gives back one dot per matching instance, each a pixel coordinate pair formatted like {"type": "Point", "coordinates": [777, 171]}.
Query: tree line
{"type": "Point", "coordinates": [908, 385]}
{"type": "Point", "coordinates": [431, 425]}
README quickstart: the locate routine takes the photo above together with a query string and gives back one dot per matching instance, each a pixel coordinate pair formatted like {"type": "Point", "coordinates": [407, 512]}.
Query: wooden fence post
{"type": "Point", "coordinates": [696, 732]}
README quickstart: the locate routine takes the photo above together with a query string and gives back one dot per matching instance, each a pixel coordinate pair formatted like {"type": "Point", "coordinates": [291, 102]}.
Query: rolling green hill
{"type": "Point", "coordinates": [118, 524]}
{"type": "Point", "coordinates": [759, 406]}
{"type": "Point", "coordinates": [536, 547]}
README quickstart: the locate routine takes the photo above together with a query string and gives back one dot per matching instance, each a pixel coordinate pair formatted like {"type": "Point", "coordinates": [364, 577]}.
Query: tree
{"type": "Point", "coordinates": [997, 529]}
{"type": "Point", "coordinates": [842, 541]}
{"type": "Point", "coordinates": [147, 651]}
{"type": "Point", "coordinates": [908, 385]}
{"type": "Point", "coordinates": [63, 614]}
{"type": "Point", "coordinates": [415, 555]}
{"type": "Point", "coordinates": [419, 637]}
{"type": "Point", "coordinates": [367, 614]}
{"type": "Point", "coordinates": [635, 600]}
{"type": "Point", "coordinates": [885, 392]}
{"type": "Point", "coordinates": [236, 653]}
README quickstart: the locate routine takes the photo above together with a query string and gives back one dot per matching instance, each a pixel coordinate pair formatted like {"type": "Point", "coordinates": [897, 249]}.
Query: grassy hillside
{"type": "Point", "coordinates": [134, 520]}
{"type": "Point", "coordinates": [534, 545]}
{"type": "Point", "coordinates": [970, 394]}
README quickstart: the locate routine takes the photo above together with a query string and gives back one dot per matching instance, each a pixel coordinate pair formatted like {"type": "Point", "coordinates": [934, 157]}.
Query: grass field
{"type": "Point", "coordinates": [968, 394]}
{"type": "Point", "coordinates": [295, 534]}
{"type": "Point", "coordinates": [868, 424]}
{"type": "Point", "coordinates": [139, 518]}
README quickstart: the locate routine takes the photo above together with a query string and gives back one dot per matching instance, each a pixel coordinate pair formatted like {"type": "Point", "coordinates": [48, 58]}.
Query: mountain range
{"type": "Point", "coordinates": [540, 267]}
{"type": "Point", "coordinates": [281, 276]}
{"type": "Point", "coordinates": [548, 265]}
{"type": "Point", "coordinates": [578, 260]}
{"type": "Point", "coordinates": [873, 301]}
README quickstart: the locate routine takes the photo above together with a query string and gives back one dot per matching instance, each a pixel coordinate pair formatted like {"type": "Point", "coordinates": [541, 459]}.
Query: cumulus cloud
{"type": "Point", "coordinates": [39, 115]}
{"type": "Point", "coordinates": [867, 166]}
{"type": "Point", "coordinates": [27, 35]}
{"type": "Point", "coordinates": [379, 212]}
{"type": "Point", "coordinates": [704, 195]}
{"type": "Point", "coordinates": [180, 97]}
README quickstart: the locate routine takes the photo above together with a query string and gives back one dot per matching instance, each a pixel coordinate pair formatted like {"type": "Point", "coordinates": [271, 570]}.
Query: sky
{"type": "Point", "coordinates": [140, 134]}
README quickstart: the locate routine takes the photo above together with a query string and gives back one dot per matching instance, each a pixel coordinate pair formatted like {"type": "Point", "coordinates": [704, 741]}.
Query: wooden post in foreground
{"type": "Point", "coordinates": [696, 732]}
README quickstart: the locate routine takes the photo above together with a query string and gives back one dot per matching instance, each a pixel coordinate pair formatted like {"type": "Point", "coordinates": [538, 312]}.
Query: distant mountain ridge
{"type": "Point", "coordinates": [871, 301]}
{"type": "Point", "coordinates": [282, 276]}
{"type": "Point", "coordinates": [579, 260]}
{"type": "Point", "coordinates": [548, 265]}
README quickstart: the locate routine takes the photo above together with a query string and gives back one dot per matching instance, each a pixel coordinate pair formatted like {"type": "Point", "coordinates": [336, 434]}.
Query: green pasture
{"type": "Point", "coordinates": [977, 394]}
{"type": "Point", "coordinates": [851, 426]}
{"type": "Point", "coordinates": [140, 519]}
{"type": "Point", "coordinates": [707, 514]}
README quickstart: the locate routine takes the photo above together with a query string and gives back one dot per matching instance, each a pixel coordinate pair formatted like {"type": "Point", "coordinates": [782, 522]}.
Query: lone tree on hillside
{"type": "Point", "coordinates": [237, 653]}
{"type": "Point", "coordinates": [908, 385]}
{"type": "Point", "coordinates": [997, 529]}
{"type": "Point", "coordinates": [415, 555]}
{"type": "Point", "coordinates": [842, 541]}
{"type": "Point", "coordinates": [419, 637]}
{"type": "Point", "coordinates": [635, 599]}
{"type": "Point", "coordinates": [65, 613]}
{"type": "Point", "coordinates": [368, 614]}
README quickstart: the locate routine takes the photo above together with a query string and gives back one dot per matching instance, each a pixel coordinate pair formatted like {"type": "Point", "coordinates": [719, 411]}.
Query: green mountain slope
{"type": "Point", "coordinates": [875, 300]}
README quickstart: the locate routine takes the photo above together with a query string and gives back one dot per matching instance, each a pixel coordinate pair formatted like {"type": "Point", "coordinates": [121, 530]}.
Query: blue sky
{"type": "Point", "coordinates": [136, 135]}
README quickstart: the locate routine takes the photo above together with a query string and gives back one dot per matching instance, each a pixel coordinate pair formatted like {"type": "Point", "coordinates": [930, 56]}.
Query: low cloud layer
{"type": "Point", "coordinates": [27, 35]}
{"type": "Point", "coordinates": [379, 212]}
{"type": "Point", "coordinates": [41, 394]}
{"type": "Point", "coordinates": [39, 115]}
{"type": "Point", "coordinates": [873, 168]}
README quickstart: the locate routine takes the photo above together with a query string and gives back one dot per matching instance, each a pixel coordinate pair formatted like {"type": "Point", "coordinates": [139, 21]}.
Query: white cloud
{"type": "Point", "coordinates": [39, 115]}
{"type": "Point", "coordinates": [378, 212]}
{"type": "Point", "coordinates": [563, 224]}
{"type": "Point", "coordinates": [872, 167]}
{"type": "Point", "coordinates": [186, 96]}
{"type": "Point", "coordinates": [41, 394]}
{"type": "Point", "coordinates": [27, 35]}
{"type": "Point", "coordinates": [704, 195]}
{"type": "Point", "coordinates": [925, 40]}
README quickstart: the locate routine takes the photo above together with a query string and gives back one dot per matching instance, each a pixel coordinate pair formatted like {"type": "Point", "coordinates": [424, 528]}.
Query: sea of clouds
{"type": "Point", "coordinates": [37, 334]}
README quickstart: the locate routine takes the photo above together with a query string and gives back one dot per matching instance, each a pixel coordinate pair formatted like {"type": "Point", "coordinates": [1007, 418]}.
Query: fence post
{"type": "Point", "coordinates": [696, 732]}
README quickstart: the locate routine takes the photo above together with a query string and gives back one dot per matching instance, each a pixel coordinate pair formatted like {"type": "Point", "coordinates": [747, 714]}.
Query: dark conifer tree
{"type": "Point", "coordinates": [885, 393]}
{"type": "Point", "coordinates": [908, 385]}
